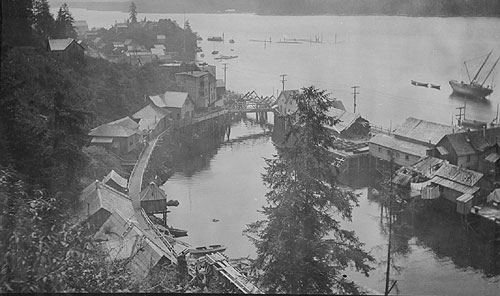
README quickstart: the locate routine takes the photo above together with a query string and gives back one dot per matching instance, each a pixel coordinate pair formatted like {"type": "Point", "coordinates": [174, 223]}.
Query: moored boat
{"type": "Point", "coordinates": [177, 232]}
{"type": "Point", "coordinates": [474, 88]}
{"type": "Point", "coordinates": [435, 86]}
{"type": "Point", "coordinates": [417, 83]}
{"type": "Point", "coordinates": [215, 38]}
{"type": "Point", "coordinates": [204, 250]}
{"type": "Point", "coordinates": [215, 52]}
{"type": "Point", "coordinates": [231, 40]}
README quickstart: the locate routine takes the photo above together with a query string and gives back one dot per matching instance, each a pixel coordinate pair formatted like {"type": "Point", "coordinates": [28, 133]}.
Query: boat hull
{"type": "Point", "coordinates": [465, 89]}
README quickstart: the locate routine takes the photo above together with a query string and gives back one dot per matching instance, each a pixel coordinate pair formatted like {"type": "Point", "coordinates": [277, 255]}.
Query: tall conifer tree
{"type": "Point", "coordinates": [301, 245]}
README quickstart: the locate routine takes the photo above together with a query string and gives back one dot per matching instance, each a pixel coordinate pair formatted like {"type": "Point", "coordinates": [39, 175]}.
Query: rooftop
{"type": "Point", "coordinates": [122, 182]}
{"type": "Point", "coordinates": [151, 111]}
{"type": "Point", "coordinates": [460, 175]}
{"type": "Point", "coordinates": [399, 145]}
{"type": "Point", "coordinates": [423, 131]}
{"type": "Point", "coordinates": [346, 118]}
{"type": "Point", "coordinates": [196, 74]}
{"type": "Point", "coordinates": [170, 99]}
{"type": "Point", "coordinates": [60, 44]}
{"type": "Point", "coordinates": [467, 143]}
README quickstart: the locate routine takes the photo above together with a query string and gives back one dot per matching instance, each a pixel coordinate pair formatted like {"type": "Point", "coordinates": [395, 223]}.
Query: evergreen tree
{"type": "Point", "coordinates": [16, 22]}
{"type": "Point", "coordinates": [301, 247]}
{"type": "Point", "coordinates": [133, 13]}
{"type": "Point", "coordinates": [64, 23]}
{"type": "Point", "coordinates": [43, 19]}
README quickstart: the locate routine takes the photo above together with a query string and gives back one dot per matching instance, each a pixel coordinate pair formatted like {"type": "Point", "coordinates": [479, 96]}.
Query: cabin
{"type": "Point", "coordinates": [121, 136]}
{"type": "Point", "coordinates": [66, 49]}
{"type": "Point", "coordinates": [179, 104]}
{"type": "Point", "coordinates": [152, 119]}
{"type": "Point", "coordinates": [476, 150]}
{"type": "Point", "coordinates": [153, 199]}
{"type": "Point", "coordinates": [409, 142]}
{"type": "Point", "coordinates": [201, 86]}
{"type": "Point", "coordinates": [114, 180]}
{"type": "Point", "coordinates": [349, 125]}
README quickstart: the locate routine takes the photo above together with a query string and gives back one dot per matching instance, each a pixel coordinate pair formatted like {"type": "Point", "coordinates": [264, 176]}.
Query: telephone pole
{"type": "Point", "coordinates": [283, 80]}
{"type": "Point", "coordinates": [225, 68]}
{"type": "Point", "coordinates": [354, 92]}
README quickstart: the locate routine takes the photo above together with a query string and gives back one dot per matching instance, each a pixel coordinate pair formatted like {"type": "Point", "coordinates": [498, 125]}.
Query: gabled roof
{"type": "Point", "coordinates": [423, 131]}
{"type": "Point", "coordinates": [195, 74]}
{"type": "Point", "coordinates": [124, 127]}
{"type": "Point", "coordinates": [161, 37]}
{"type": "Point", "coordinates": [153, 192]}
{"type": "Point", "coordinates": [467, 143]}
{"type": "Point", "coordinates": [428, 166]}
{"type": "Point", "coordinates": [157, 51]}
{"type": "Point", "coordinates": [288, 94]}
{"type": "Point", "coordinates": [459, 175]}
{"type": "Point", "coordinates": [61, 44]}
{"type": "Point", "coordinates": [98, 195]}
{"type": "Point", "coordinates": [160, 46]}
{"type": "Point", "coordinates": [125, 122]}
{"type": "Point", "coordinates": [151, 111]}
{"type": "Point", "coordinates": [399, 145]}
{"type": "Point", "coordinates": [346, 119]}
{"type": "Point", "coordinates": [170, 99]}
{"type": "Point", "coordinates": [122, 182]}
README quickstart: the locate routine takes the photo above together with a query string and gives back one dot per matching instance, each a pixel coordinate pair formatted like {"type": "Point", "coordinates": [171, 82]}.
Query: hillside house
{"type": "Point", "coordinates": [66, 49]}
{"type": "Point", "coordinates": [121, 136]}
{"type": "Point", "coordinates": [112, 216]}
{"type": "Point", "coordinates": [152, 119]}
{"type": "Point", "coordinates": [179, 104]}
{"type": "Point", "coordinates": [153, 199]}
{"type": "Point", "coordinates": [114, 180]}
{"type": "Point", "coordinates": [476, 150]}
{"type": "Point", "coordinates": [409, 142]}
{"type": "Point", "coordinates": [200, 85]}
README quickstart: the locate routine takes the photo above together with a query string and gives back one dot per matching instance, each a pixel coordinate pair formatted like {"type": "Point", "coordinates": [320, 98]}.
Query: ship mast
{"type": "Point", "coordinates": [474, 79]}
{"type": "Point", "coordinates": [489, 73]}
{"type": "Point", "coordinates": [467, 70]}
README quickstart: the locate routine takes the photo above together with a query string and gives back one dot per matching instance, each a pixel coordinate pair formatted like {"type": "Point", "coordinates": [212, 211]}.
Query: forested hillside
{"type": "Point", "coordinates": [47, 106]}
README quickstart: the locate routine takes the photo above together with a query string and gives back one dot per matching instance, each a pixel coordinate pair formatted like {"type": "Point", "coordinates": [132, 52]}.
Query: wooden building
{"type": "Point", "coordinates": [409, 142]}
{"type": "Point", "coordinates": [114, 180]}
{"type": "Point", "coordinates": [153, 199]}
{"type": "Point", "coordinates": [66, 49]}
{"type": "Point", "coordinates": [201, 86]}
{"type": "Point", "coordinates": [121, 136]}
{"type": "Point", "coordinates": [179, 104]}
{"type": "Point", "coordinates": [152, 119]}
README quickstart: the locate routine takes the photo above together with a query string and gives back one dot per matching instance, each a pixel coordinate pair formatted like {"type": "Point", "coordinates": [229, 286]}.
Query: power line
{"type": "Point", "coordinates": [283, 80]}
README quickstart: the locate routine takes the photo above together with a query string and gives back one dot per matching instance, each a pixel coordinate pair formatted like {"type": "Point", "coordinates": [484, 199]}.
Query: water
{"type": "Point", "coordinates": [381, 54]}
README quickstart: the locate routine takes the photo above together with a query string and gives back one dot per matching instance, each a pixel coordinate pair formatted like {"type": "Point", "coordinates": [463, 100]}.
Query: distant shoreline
{"type": "Point", "coordinates": [239, 8]}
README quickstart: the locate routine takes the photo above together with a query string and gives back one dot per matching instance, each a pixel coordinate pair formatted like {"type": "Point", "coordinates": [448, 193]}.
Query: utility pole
{"type": "Point", "coordinates": [283, 80]}
{"type": "Point", "coordinates": [225, 68]}
{"type": "Point", "coordinates": [354, 92]}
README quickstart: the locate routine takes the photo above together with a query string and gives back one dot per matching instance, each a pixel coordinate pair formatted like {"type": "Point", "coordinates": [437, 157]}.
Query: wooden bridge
{"type": "Point", "coordinates": [251, 102]}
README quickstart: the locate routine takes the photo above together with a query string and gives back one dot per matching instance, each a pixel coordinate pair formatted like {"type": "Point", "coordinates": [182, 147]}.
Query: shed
{"type": "Point", "coordinates": [153, 199]}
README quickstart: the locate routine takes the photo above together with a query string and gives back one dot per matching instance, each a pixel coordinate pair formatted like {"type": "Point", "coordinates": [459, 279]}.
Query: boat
{"type": "Point", "coordinates": [215, 52]}
{"type": "Point", "coordinates": [204, 250]}
{"type": "Point", "coordinates": [416, 83]}
{"type": "Point", "coordinates": [175, 232]}
{"type": "Point", "coordinates": [215, 38]}
{"type": "Point", "coordinates": [474, 88]}
{"type": "Point", "coordinates": [436, 86]}
{"type": "Point", "coordinates": [224, 57]}
{"type": "Point", "coordinates": [231, 40]}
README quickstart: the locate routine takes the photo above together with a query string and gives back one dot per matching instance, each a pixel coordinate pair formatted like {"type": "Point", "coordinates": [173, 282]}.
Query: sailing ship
{"type": "Point", "coordinates": [474, 88]}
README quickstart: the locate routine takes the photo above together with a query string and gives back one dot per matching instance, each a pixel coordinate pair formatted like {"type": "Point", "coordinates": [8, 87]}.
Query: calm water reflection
{"type": "Point", "coordinates": [434, 254]}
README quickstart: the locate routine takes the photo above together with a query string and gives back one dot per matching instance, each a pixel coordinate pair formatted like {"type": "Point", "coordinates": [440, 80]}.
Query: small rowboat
{"type": "Point", "coordinates": [416, 83]}
{"type": "Point", "coordinates": [204, 250]}
{"type": "Point", "coordinates": [436, 86]}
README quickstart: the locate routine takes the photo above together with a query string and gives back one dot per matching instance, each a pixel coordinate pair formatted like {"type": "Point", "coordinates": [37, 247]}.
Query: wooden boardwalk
{"type": "Point", "coordinates": [223, 266]}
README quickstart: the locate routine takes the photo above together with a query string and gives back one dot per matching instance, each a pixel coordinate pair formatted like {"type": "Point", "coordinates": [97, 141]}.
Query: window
{"type": "Point", "coordinates": [397, 154]}
{"type": "Point", "coordinates": [407, 157]}
{"type": "Point", "coordinates": [379, 149]}
{"type": "Point", "coordinates": [468, 158]}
